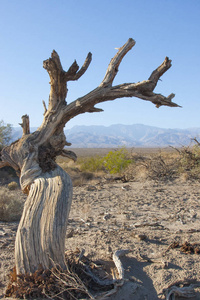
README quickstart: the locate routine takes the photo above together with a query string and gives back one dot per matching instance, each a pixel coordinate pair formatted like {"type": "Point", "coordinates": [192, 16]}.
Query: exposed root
{"type": "Point", "coordinates": [80, 281]}
{"type": "Point", "coordinates": [185, 289]}
{"type": "Point", "coordinates": [187, 292]}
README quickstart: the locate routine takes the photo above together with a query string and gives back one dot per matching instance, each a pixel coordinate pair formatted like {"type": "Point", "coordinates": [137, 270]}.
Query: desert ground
{"type": "Point", "coordinates": [158, 221]}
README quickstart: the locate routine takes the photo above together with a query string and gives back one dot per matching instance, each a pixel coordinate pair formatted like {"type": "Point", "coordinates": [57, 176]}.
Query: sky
{"type": "Point", "coordinates": [30, 30]}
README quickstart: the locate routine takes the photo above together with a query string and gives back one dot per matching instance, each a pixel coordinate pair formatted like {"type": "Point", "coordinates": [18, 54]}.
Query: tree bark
{"type": "Point", "coordinates": [40, 240]}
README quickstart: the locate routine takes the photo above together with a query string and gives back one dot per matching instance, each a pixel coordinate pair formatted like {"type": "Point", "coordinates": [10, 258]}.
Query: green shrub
{"type": "Point", "coordinates": [113, 162]}
{"type": "Point", "coordinates": [117, 161]}
{"type": "Point", "coordinates": [92, 164]}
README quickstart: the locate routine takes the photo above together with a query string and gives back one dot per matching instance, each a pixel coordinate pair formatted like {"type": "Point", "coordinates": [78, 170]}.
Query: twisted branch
{"type": "Point", "coordinates": [25, 124]}
{"type": "Point", "coordinates": [105, 91]}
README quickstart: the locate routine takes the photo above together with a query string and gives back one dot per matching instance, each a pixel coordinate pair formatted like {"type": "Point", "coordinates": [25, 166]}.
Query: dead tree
{"type": "Point", "coordinates": [40, 239]}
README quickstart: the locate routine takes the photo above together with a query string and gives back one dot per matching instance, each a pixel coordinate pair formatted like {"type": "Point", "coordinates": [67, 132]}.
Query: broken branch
{"type": "Point", "coordinates": [72, 73]}
{"type": "Point", "coordinates": [156, 74]}
{"type": "Point", "coordinates": [25, 124]}
{"type": "Point", "coordinates": [115, 62]}
{"type": "Point", "coordinates": [69, 154]}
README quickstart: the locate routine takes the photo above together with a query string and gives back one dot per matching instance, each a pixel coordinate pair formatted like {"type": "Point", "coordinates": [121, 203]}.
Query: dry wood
{"type": "Point", "coordinates": [186, 292]}
{"type": "Point", "coordinates": [33, 156]}
{"type": "Point", "coordinates": [25, 124]}
{"type": "Point", "coordinates": [182, 288]}
{"type": "Point", "coordinates": [4, 164]}
{"type": "Point", "coordinates": [117, 282]}
{"type": "Point", "coordinates": [43, 224]}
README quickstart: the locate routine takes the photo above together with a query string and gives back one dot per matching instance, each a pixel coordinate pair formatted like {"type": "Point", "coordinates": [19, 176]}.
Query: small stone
{"type": "Point", "coordinates": [141, 236]}
{"type": "Point", "coordinates": [70, 234]}
{"type": "Point", "coordinates": [107, 216]}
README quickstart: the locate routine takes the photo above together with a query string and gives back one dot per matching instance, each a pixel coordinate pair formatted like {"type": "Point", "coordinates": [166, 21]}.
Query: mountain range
{"type": "Point", "coordinates": [136, 135]}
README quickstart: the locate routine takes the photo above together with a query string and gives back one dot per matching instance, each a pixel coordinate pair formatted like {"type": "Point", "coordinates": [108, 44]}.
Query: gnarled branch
{"type": "Point", "coordinates": [59, 78]}
{"type": "Point", "coordinates": [50, 135]}
{"type": "Point", "coordinates": [106, 92]}
{"type": "Point", "coordinates": [59, 113]}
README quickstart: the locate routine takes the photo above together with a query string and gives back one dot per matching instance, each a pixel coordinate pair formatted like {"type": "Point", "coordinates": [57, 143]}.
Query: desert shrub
{"type": "Point", "coordinates": [92, 164]}
{"type": "Point", "coordinates": [113, 162]}
{"type": "Point", "coordinates": [117, 161]}
{"type": "Point", "coordinates": [157, 165]}
{"type": "Point", "coordinates": [185, 163]}
{"type": "Point", "coordinates": [12, 186]}
{"type": "Point", "coordinates": [189, 162]}
{"type": "Point", "coordinates": [162, 168]}
{"type": "Point", "coordinates": [10, 206]}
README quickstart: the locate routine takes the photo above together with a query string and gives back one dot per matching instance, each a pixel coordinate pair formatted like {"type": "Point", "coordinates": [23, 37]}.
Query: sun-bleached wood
{"type": "Point", "coordinates": [41, 232]}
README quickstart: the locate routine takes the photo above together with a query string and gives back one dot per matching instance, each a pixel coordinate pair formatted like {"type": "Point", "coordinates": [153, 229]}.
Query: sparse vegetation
{"type": "Point", "coordinates": [114, 162]}
{"type": "Point", "coordinates": [5, 134]}
{"type": "Point", "coordinates": [10, 205]}
{"type": "Point", "coordinates": [159, 165]}
{"type": "Point", "coordinates": [162, 167]}
{"type": "Point", "coordinates": [134, 164]}
{"type": "Point", "coordinates": [189, 161]}
{"type": "Point", "coordinates": [181, 163]}
{"type": "Point", "coordinates": [92, 164]}
{"type": "Point", "coordinates": [117, 161]}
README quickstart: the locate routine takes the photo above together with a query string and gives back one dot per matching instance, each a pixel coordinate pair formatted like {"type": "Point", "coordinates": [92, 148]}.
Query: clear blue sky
{"type": "Point", "coordinates": [30, 30]}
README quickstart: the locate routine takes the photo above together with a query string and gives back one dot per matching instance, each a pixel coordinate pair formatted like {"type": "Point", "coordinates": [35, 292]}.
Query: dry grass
{"type": "Point", "coordinates": [182, 163]}
{"type": "Point", "coordinates": [11, 205]}
{"type": "Point", "coordinates": [154, 164]}
{"type": "Point", "coordinates": [13, 186]}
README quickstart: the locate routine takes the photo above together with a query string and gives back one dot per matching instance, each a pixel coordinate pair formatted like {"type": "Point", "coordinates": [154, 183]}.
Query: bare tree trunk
{"type": "Point", "coordinates": [40, 237]}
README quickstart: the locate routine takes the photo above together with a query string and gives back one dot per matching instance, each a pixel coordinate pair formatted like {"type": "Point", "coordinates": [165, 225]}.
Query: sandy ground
{"type": "Point", "coordinates": [144, 217]}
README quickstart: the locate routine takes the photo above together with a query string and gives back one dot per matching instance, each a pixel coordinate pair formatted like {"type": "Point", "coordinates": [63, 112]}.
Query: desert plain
{"type": "Point", "coordinates": [158, 221]}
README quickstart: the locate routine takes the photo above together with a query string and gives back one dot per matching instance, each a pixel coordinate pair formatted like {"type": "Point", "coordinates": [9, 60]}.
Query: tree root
{"type": "Point", "coordinates": [77, 282]}
{"type": "Point", "coordinates": [183, 288]}
{"type": "Point", "coordinates": [186, 291]}
{"type": "Point", "coordinates": [115, 282]}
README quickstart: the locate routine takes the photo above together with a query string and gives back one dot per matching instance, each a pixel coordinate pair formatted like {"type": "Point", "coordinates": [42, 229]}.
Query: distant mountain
{"type": "Point", "coordinates": [136, 135]}
{"type": "Point", "coordinates": [17, 132]}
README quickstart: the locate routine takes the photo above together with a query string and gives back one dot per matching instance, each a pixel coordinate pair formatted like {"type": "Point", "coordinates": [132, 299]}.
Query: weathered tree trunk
{"type": "Point", "coordinates": [40, 240]}
{"type": "Point", "coordinates": [41, 233]}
